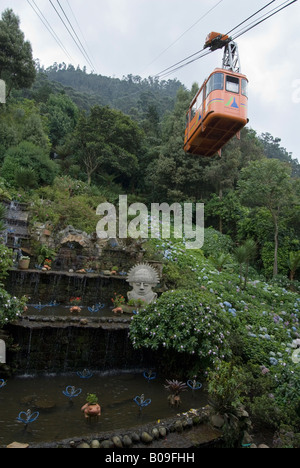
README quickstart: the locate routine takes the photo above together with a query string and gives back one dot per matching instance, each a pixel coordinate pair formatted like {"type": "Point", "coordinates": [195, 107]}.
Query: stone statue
{"type": "Point", "coordinates": [142, 277]}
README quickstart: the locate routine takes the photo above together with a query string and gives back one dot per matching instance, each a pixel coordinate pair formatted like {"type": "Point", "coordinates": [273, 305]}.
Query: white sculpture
{"type": "Point", "coordinates": [142, 278]}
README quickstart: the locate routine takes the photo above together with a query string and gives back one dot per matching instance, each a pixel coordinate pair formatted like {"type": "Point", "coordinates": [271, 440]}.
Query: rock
{"type": "Point", "coordinates": [162, 431]}
{"type": "Point", "coordinates": [146, 438]}
{"type": "Point", "coordinates": [247, 439]}
{"type": "Point", "coordinates": [135, 437]}
{"type": "Point", "coordinates": [84, 445]}
{"type": "Point", "coordinates": [127, 442]}
{"type": "Point", "coordinates": [107, 444]}
{"type": "Point", "coordinates": [155, 433]}
{"type": "Point", "coordinates": [117, 442]}
{"type": "Point", "coordinates": [187, 423]}
{"type": "Point", "coordinates": [95, 444]}
{"type": "Point", "coordinates": [263, 446]}
{"type": "Point", "coordinates": [242, 413]}
{"type": "Point", "coordinates": [17, 445]}
{"type": "Point", "coordinates": [178, 426]}
{"type": "Point", "coordinates": [217, 421]}
{"type": "Point", "coordinates": [44, 404]}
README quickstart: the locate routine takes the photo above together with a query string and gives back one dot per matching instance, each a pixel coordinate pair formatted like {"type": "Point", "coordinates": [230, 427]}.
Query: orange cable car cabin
{"type": "Point", "coordinates": [219, 110]}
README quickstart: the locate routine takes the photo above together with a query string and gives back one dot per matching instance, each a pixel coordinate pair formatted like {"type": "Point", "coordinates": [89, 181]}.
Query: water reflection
{"type": "Point", "coordinates": [59, 420]}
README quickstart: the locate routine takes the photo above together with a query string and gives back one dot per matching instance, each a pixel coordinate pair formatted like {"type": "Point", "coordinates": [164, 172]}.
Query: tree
{"type": "Point", "coordinates": [109, 140]}
{"type": "Point", "coordinates": [17, 66]}
{"type": "Point", "coordinates": [267, 183]}
{"type": "Point", "coordinates": [244, 254]}
{"type": "Point", "coordinates": [62, 116]}
{"type": "Point", "coordinates": [272, 149]}
{"type": "Point", "coordinates": [294, 263]}
{"type": "Point", "coordinates": [175, 176]}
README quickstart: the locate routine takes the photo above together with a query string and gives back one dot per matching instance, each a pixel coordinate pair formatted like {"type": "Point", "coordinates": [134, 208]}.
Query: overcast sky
{"type": "Point", "coordinates": [143, 37]}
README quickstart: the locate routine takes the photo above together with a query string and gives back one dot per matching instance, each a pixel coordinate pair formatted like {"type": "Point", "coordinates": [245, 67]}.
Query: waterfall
{"type": "Point", "coordinates": [69, 349]}
{"type": "Point", "coordinates": [29, 350]}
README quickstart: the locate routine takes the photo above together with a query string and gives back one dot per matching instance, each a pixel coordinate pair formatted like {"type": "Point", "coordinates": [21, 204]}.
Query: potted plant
{"type": "Point", "coordinates": [45, 255]}
{"type": "Point", "coordinates": [47, 264]}
{"type": "Point", "coordinates": [24, 262]}
{"type": "Point", "coordinates": [75, 308]}
{"type": "Point", "coordinates": [92, 407]}
{"type": "Point", "coordinates": [175, 387]}
{"type": "Point", "coordinates": [118, 301]}
{"type": "Point", "coordinates": [133, 305]}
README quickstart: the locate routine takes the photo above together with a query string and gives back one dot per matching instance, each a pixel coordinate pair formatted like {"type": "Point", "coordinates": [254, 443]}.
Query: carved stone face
{"type": "Point", "coordinates": [141, 288]}
{"type": "Point", "coordinates": [143, 278]}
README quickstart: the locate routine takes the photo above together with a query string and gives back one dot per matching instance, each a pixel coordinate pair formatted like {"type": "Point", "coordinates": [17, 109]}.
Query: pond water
{"type": "Point", "coordinates": [59, 418]}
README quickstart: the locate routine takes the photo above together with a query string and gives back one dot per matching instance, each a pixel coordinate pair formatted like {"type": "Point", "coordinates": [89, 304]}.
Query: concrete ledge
{"type": "Point", "coordinates": [106, 323]}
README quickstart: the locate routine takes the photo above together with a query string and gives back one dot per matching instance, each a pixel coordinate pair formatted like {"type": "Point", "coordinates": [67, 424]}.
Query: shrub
{"type": "Point", "coordinates": [189, 322]}
{"type": "Point", "coordinates": [28, 156]}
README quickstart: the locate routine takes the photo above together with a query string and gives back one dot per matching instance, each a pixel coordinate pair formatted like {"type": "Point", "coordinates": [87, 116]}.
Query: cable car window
{"type": "Point", "coordinates": [216, 81]}
{"type": "Point", "coordinates": [197, 105]}
{"type": "Point", "coordinates": [245, 88]}
{"type": "Point", "coordinates": [232, 84]}
{"type": "Point", "coordinates": [193, 111]}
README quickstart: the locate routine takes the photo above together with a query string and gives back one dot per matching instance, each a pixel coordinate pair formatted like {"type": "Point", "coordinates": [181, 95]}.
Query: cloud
{"type": "Point", "coordinates": [143, 37]}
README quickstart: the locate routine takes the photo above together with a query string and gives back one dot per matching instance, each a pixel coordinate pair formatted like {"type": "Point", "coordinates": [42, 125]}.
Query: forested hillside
{"type": "Point", "coordinates": [126, 136]}
{"type": "Point", "coordinates": [229, 312]}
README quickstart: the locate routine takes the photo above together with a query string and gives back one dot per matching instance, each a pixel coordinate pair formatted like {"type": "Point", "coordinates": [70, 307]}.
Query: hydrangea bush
{"type": "Point", "coordinates": [186, 322]}
{"type": "Point", "coordinates": [10, 307]}
{"type": "Point", "coordinates": [218, 320]}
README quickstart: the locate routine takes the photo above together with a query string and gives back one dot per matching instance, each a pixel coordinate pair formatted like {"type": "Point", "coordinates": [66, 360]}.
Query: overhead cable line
{"type": "Point", "coordinates": [254, 14]}
{"type": "Point", "coordinates": [185, 32]}
{"type": "Point", "coordinates": [62, 20]}
{"type": "Point", "coordinates": [262, 20]}
{"type": "Point", "coordinates": [181, 64]}
{"type": "Point", "coordinates": [47, 25]}
{"type": "Point", "coordinates": [83, 49]}
{"type": "Point", "coordinates": [171, 69]}
{"type": "Point", "coordinates": [82, 34]}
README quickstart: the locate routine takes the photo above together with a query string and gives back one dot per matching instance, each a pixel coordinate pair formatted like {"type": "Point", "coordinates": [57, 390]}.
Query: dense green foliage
{"type": "Point", "coordinates": [244, 337]}
{"type": "Point", "coordinates": [16, 64]}
{"type": "Point", "coordinates": [71, 140]}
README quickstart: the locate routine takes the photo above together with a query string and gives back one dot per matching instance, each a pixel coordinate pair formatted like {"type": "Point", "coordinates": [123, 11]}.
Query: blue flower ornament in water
{"type": "Point", "coordinates": [2, 383]}
{"type": "Point", "coordinates": [72, 392]}
{"type": "Point", "coordinates": [27, 417]}
{"type": "Point", "coordinates": [194, 385]}
{"type": "Point", "coordinates": [85, 374]}
{"type": "Point", "coordinates": [149, 375]}
{"type": "Point", "coordinates": [141, 402]}
{"type": "Point", "coordinates": [95, 308]}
